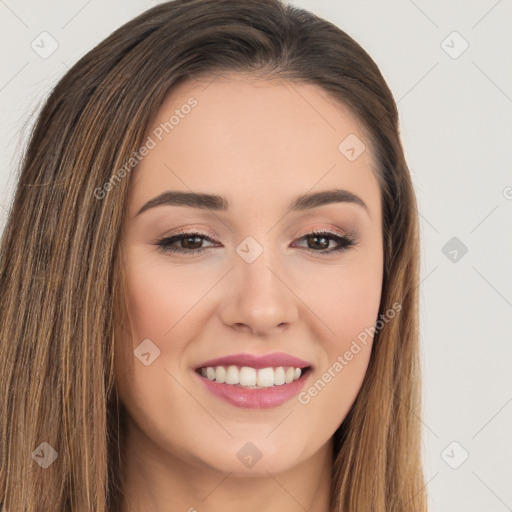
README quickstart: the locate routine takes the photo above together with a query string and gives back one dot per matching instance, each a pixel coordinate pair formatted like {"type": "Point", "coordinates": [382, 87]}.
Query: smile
{"type": "Point", "coordinates": [251, 378]}
{"type": "Point", "coordinates": [253, 388]}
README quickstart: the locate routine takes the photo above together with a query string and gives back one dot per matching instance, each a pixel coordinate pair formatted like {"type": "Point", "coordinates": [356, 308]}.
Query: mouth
{"type": "Point", "coordinates": [254, 381]}
{"type": "Point", "coordinates": [248, 377]}
{"type": "Point", "coordinates": [254, 388]}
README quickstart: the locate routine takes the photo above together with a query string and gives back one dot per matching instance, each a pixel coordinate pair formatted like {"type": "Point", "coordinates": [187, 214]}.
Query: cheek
{"type": "Point", "coordinates": [347, 301]}
{"type": "Point", "coordinates": [157, 302]}
{"type": "Point", "coordinates": [355, 306]}
{"type": "Point", "coordinates": [350, 310]}
{"type": "Point", "coordinates": [153, 312]}
{"type": "Point", "coordinates": [158, 299]}
{"type": "Point", "coordinates": [163, 305]}
{"type": "Point", "coordinates": [149, 309]}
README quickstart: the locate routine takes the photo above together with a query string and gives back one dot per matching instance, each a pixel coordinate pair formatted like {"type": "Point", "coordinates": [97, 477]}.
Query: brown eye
{"type": "Point", "coordinates": [318, 241]}
{"type": "Point", "coordinates": [188, 243]}
{"type": "Point", "coordinates": [191, 242]}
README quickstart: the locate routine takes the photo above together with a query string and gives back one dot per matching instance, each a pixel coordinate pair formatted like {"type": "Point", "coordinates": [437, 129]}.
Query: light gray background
{"type": "Point", "coordinates": [457, 132]}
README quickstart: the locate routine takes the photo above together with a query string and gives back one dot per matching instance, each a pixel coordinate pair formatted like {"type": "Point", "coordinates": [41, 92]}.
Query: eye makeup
{"type": "Point", "coordinates": [321, 238]}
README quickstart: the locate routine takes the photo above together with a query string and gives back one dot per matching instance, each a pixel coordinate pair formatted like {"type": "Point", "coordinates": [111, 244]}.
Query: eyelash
{"type": "Point", "coordinates": [345, 242]}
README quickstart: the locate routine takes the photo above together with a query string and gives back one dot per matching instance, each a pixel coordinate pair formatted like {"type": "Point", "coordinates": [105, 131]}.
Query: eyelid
{"type": "Point", "coordinates": [324, 229]}
{"type": "Point", "coordinates": [344, 241]}
{"type": "Point", "coordinates": [312, 230]}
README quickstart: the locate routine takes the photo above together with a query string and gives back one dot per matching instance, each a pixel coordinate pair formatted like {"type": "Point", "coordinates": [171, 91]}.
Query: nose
{"type": "Point", "coordinates": [258, 297]}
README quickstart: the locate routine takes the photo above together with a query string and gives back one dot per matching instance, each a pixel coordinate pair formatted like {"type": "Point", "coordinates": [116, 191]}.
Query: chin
{"type": "Point", "coordinates": [249, 460]}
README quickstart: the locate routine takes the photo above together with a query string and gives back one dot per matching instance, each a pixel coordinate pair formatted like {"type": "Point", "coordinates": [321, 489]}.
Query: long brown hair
{"type": "Point", "coordinates": [60, 277]}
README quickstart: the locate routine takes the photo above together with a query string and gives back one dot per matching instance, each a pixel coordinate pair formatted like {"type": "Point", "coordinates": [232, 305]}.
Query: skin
{"type": "Point", "coordinates": [260, 144]}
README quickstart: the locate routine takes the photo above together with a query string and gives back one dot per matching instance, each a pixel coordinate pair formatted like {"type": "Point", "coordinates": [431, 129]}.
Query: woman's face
{"type": "Point", "coordinates": [248, 278]}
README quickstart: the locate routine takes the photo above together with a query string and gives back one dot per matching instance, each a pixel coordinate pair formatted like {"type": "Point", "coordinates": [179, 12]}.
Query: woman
{"type": "Point", "coordinates": [209, 276]}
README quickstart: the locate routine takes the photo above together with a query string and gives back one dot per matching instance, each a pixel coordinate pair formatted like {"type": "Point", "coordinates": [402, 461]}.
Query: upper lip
{"type": "Point", "coordinates": [274, 359]}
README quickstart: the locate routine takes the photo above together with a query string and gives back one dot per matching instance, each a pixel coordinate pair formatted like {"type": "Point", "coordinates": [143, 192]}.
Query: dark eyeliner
{"type": "Point", "coordinates": [164, 244]}
{"type": "Point", "coordinates": [344, 242]}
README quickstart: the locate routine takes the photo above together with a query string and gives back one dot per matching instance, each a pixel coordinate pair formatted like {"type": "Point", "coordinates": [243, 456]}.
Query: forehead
{"type": "Point", "coordinates": [253, 140]}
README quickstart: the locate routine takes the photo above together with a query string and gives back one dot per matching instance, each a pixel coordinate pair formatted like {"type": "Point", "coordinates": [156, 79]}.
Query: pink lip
{"type": "Point", "coordinates": [269, 360]}
{"type": "Point", "coordinates": [264, 398]}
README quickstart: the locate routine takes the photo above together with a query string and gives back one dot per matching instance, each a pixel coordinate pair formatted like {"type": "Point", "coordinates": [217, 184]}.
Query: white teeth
{"type": "Point", "coordinates": [266, 377]}
{"type": "Point", "coordinates": [279, 376]}
{"type": "Point", "coordinates": [247, 376]}
{"type": "Point", "coordinates": [252, 378]}
{"type": "Point", "coordinates": [220, 374]}
{"type": "Point", "coordinates": [232, 375]}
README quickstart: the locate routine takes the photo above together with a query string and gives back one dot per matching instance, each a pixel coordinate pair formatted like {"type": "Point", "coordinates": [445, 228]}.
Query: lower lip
{"type": "Point", "coordinates": [264, 398]}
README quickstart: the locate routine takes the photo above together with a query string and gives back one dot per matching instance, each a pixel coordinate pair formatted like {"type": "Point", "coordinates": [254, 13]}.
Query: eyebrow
{"type": "Point", "coordinates": [219, 203]}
